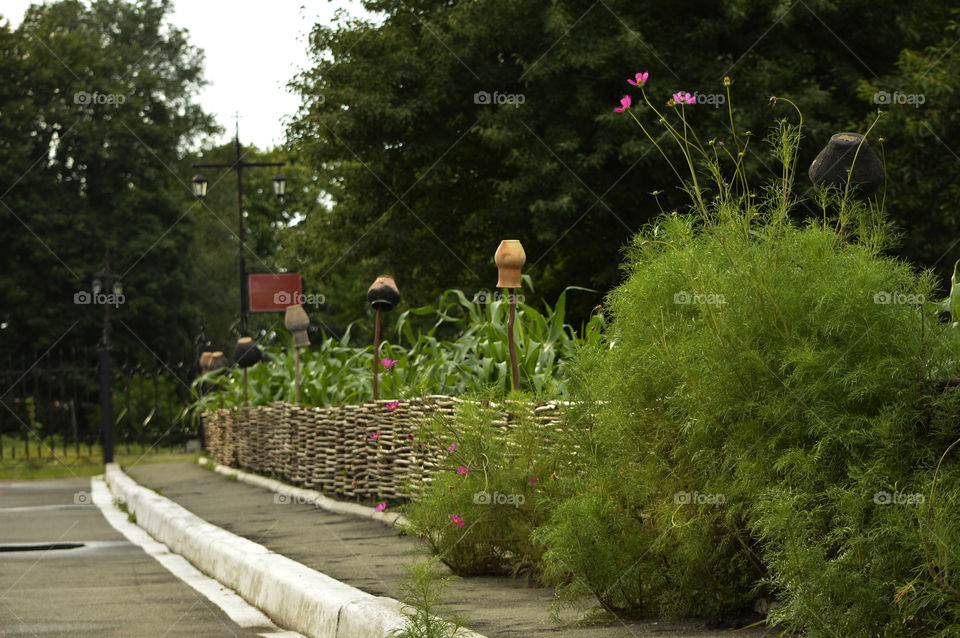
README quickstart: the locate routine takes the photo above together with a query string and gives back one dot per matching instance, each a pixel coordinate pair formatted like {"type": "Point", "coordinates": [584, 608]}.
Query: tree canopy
{"type": "Point", "coordinates": [96, 103]}
{"type": "Point", "coordinates": [446, 127]}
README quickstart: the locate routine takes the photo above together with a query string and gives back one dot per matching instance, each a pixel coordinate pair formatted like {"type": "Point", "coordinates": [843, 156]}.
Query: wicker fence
{"type": "Point", "coordinates": [329, 449]}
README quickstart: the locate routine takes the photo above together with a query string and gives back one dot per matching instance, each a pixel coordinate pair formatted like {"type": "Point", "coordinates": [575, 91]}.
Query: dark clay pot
{"type": "Point", "coordinates": [383, 294]}
{"type": "Point", "coordinates": [247, 353]}
{"type": "Point", "coordinates": [830, 166]}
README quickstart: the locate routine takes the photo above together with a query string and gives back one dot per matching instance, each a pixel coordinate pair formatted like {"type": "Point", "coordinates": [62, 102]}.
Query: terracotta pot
{"type": "Point", "coordinates": [218, 360]}
{"type": "Point", "coordinates": [205, 361]}
{"type": "Point", "coordinates": [247, 353]}
{"type": "Point", "coordinates": [383, 293]}
{"type": "Point", "coordinates": [510, 259]}
{"type": "Point", "coordinates": [297, 322]}
{"type": "Point", "coordinates": [831, 165]}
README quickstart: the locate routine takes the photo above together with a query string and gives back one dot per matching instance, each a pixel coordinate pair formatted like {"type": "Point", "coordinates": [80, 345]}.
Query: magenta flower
{"type": "Point", "coordinates": [682, 97]}
{"type": "Point", "coordinates": [387, 363]}
{"type": "Point", "coordinates": [453, 446]}
{"type": "Point", "coordinates": [410, 436]}
{"type": "Point", "coordinates": [456, 520]}
{"type": "Point", "coordinates": [641, 79]}
{"type": "Point", "coordinates": [462, 470]}
{"type": "Point", "coordinates": [375, 436]}
{"type": "Point", "coordinates": [624, 104]}
{"type": "Point", "coordinates": [393, 405]}
{"type": "Point", "coordinates": [381, 507]}
{"type": "Point", "coordinates": [533, 479]}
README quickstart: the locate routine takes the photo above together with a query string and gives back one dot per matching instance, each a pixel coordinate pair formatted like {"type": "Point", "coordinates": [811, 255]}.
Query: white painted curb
{"type": "Point", "coordinates": [235, 607]}
{"type": "Point", "coordinates": [291, 594]}
{"type": "Point", "coordinates": [310, 497]}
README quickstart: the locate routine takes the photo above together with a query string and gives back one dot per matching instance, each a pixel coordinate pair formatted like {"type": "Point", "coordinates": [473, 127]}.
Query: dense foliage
{"type": "Point", "coordinates": [455, 347]}
{"type": "Point", "coordinates": [442, 127]}
{"type": "Point", "coordinates": [771, 412]}
{"type": "Point", "coordinates": [95, 101]}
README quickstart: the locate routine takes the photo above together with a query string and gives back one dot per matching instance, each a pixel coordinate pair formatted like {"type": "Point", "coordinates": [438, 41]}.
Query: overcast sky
{"type": "Point", "coordinates": [267, 39]}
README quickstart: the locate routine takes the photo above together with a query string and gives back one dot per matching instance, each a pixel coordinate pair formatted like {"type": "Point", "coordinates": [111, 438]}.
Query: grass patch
{"type": "Point", "coordinates": [57, 463]}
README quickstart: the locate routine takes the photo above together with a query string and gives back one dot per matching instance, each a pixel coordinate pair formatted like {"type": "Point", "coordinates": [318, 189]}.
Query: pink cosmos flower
{"type": "Point", "coordinates": [641, 79]}
{"type": "Point", "coordinates": [462, 470]}
{"type": "Point", "coordinates": [453, 446]}
{"type": "Point", "coordinates": [375, 436]}
{"type": "Point", "coordinates": [682, 97]}
{"type": "Point", "coordinates": [456, 520]}
{"type": "Point", "coordinates": [533, 479]}
{"type": "Point", "coordinates": [393, 405]}
{"type": "Point", "coordinates": [624, 104]}
{"type": "Point", "coordinates": [387, 363]}
{"type": "Point", "coordinates": [381, 507]}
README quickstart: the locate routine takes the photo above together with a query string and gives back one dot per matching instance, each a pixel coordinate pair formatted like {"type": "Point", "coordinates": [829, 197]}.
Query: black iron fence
{"type": "Point", "coordinates": [53, 403]}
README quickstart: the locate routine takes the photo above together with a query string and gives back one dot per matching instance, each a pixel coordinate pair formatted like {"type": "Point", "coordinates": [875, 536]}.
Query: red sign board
{"type": "Point", "coordinates": [273, 293]}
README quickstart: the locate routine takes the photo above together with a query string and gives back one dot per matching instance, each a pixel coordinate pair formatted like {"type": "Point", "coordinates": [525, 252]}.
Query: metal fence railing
{"type": "Point", "coordinates": [52, 402]}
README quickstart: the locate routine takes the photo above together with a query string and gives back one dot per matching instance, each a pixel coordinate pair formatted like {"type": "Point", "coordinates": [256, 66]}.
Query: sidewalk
{"type": "Point", "coordinates": [370, 556]}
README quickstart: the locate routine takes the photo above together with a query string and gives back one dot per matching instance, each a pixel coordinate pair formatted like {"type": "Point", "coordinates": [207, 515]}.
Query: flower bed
{"type": "Point", "coordinates": [363, 452]}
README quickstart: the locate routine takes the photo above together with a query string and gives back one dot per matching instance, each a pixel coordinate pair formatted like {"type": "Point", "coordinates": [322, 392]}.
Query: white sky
{"type": "Point", "coordinates": [252, 49]}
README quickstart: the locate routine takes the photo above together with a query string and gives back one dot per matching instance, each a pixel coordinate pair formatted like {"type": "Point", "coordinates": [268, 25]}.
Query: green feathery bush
{"type": "Point", "coordinates": [764, 417]}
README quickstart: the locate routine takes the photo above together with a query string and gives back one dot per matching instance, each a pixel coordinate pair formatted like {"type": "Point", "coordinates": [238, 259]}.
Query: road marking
{"type": "Point", "coordinates": [42, 508]}
{"type": "Point", "coordinates": [239, 611]}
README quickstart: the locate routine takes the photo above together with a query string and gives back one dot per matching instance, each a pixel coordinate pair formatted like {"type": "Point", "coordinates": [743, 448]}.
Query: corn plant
{"type": "Point", "coordinates": [333, 372]}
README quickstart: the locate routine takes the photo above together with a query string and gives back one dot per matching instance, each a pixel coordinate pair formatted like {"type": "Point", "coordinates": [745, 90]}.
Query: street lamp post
{"type": "Point", "coordinates": [200, 191]}
{"type": "Point", "coordinates": [101, 281]}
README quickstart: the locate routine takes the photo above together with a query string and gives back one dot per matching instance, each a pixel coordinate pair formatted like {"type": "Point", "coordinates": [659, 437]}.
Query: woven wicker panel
{"type": "Point", "coordinates": [331, 449]}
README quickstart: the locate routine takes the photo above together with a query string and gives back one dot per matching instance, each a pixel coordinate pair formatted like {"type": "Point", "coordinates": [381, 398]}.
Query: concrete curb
{"type": "Point", "coordinates": [311, 497]}
{"type": "Point", "coordinates": [291, 594]}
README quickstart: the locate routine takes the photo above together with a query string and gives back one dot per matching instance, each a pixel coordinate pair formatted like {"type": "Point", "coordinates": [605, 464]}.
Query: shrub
{"type": "Point", "coordinates": [764, 417]}
{"type": "Point", "coordinates": [478, 512]}
{"type": "Point", "coordinates": [761, 386]}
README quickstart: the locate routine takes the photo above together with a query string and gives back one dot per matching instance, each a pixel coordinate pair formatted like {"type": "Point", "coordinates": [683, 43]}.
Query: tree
{"type": "Point", "coordinates": [95, 104]}
{"type": "Point", "coordinates": [921, 130]}
{"type": "Point", "coordinates": [450, 126]}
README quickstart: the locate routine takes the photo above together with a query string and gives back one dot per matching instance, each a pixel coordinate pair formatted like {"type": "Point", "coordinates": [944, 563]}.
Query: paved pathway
{"type": "Point", "coordinates": [370, 556]}
{"type": "Point", "coordinates": [108, 587]}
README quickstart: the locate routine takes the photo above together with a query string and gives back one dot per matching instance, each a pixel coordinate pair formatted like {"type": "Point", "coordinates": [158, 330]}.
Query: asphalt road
{"type": "Point", "coordinates": [105, 587]}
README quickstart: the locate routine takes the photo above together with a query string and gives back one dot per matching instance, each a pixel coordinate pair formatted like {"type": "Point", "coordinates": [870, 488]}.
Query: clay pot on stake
{"type": "Point", "coordinates": [383, 296]}
{"type": "Point", "coordinates": [246, 354]}
{"type": "Point", "coordinates": [846, 151]}
{"type": "Point", "coordinates": [297, 322]}
{"type": "Point", "coordinates": [510, 259]}
{"type": "Point", "coordinates": [217, 361]}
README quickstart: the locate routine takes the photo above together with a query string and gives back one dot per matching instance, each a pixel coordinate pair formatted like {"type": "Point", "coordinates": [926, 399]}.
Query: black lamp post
{"type": "Point", "coordinates": [200, 191]}
{"type": "Point", "coordinates": [101, 281]}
